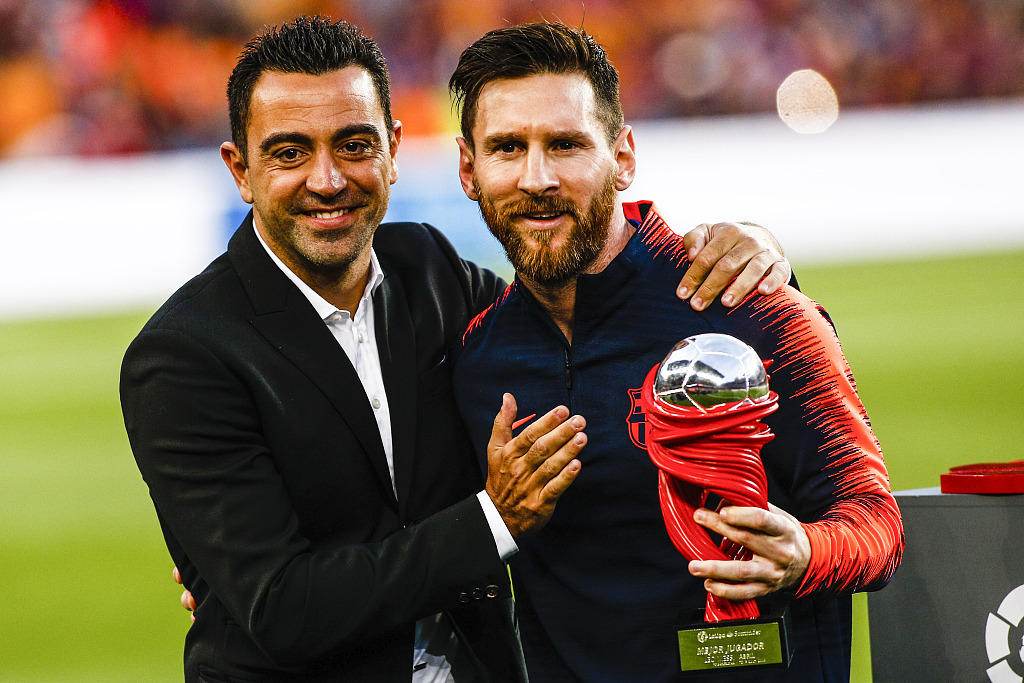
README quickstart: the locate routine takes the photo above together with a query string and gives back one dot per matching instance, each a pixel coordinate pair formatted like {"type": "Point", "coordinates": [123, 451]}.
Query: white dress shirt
{"type": "Point", "coordinates": [355, 335]}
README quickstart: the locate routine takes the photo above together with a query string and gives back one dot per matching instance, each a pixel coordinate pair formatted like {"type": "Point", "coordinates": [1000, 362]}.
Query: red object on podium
{"type": "Point", "coordinates": [985, 477]}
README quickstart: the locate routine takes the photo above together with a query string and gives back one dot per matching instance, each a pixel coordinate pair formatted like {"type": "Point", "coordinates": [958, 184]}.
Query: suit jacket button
{"type": "Point", "coordinates": [493, 591]}
{"type": "Point", "coordinates": [478, 593]}
{"type": "Point", "coordinates": [463, 597]}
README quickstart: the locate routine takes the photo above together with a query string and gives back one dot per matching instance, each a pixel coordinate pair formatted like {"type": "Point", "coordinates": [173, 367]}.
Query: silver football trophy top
{"type": "Point", "coordinates": [709, 369]}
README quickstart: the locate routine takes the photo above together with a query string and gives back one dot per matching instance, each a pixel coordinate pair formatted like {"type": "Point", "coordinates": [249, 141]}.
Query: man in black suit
{"type": "Point", "coordinates": [323, 503]}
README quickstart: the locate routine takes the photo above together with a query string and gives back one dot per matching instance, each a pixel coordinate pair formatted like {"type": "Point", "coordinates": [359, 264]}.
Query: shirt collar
{"type": "Point", "coordinates": [324, 308]}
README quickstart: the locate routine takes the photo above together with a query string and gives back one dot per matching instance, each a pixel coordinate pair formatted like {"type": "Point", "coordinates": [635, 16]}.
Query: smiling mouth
{"type": "Point", "coordinates": [330, 214]}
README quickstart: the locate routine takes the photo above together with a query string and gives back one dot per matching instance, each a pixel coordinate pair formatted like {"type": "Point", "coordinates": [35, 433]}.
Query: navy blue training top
{"type": "Point", "coordinates": [601, 588]}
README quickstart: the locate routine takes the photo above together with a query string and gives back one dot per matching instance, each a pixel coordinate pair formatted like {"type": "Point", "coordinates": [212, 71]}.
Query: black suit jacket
{"type": "Point", "coordinates": [264, 461]}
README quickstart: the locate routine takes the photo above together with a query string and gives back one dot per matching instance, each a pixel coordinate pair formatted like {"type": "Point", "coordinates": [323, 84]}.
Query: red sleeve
{"type": "Point", "coordinates": [857, 542]}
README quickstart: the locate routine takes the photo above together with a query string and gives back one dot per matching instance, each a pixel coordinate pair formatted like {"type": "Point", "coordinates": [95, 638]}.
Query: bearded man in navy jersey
{"type": "Point", "coordinates": [545, 153]}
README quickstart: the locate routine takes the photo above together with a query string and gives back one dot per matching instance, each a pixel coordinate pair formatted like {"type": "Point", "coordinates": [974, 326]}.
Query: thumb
{"type": "Point", "coordinates": [501, 432]}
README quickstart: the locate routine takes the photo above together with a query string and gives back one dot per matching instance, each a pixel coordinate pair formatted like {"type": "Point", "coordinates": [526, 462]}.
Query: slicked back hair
{"type": "Point", "coordinates": [530, 49]}
{"type": "Point", "coordinates": [308, 45]}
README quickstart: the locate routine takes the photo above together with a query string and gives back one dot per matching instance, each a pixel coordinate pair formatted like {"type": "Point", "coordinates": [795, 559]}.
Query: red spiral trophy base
{"type": "Point", "coordinates": [710, 458]}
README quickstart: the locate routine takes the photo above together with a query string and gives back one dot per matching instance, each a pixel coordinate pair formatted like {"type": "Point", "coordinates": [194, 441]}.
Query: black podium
{"type": "Point", "coordinates": [954, 611]}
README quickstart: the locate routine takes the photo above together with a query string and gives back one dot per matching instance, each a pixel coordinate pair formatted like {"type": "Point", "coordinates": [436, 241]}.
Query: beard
{"type": "Point", "coordinates": [542, 264]}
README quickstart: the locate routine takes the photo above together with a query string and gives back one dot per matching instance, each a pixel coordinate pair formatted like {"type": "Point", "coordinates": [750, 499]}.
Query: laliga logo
{"type": "Point", "coordinates": [1004, 639]}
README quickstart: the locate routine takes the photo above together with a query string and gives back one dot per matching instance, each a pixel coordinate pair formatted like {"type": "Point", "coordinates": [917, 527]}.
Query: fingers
{"type": "Point", "coordinates": [761, 266]}
{"type": "Point", "coordinates": [734, 580]}
{"type": "Point", "coordinates": [546, 463]}
{"type": "Point", "coordinates": [695, 241]}
{"type": "Point", "coordinates": [754, 528]}
{"type": "Point", "coordinates": [739, 579]}
{"type": "Point", "coordinates": [743, 528]}
{"type": "Point", "coordinates": [544, 436]}
{"type": "Point", "coordinates": [752, 523]}
{"type": "Point", "coordinates": [503, 448]}
{"type": "Point", "coordinates": [187, 601]}
{"type": "Point", "coordinates": [561, 469]}
{"type": "Point", "coordinates": [779, 275]}
{"type": "Point", "coordinates": [713, 268]}
{"type": "Point", "coordinates": [539, 453]}
{"type": "Point", "coordinates": [528, 473]}
{"type": "Point", "coordinates": [740, 254]}
{"type": "Point", "coordinates": [781, 551]}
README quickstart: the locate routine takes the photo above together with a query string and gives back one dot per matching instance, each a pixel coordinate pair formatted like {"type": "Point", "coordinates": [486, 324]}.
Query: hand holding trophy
{"type": "Point", "coordinates": [704, 403]}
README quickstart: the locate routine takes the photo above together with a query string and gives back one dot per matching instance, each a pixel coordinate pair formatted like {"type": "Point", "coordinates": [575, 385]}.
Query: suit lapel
{"type": "Point", "coordinates": [288, 321]}
{"type": "Point", "coordinates": [396, 345]}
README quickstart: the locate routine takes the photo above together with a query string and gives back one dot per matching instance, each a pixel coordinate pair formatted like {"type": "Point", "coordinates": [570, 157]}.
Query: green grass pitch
{"type": "Point", "coordinates": [937, 347]}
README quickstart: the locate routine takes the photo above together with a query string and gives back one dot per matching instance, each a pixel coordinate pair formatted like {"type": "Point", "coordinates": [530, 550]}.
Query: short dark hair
{"type": "Point", "coordinates": [308, 45]}
{"type": "Point", "coordinates": [536, 48]}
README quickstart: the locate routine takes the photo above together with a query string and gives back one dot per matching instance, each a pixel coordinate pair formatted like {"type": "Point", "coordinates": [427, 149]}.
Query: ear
{"type": "Point", "coordinates": [396, 138]}
{"type": "Point", "coordinates": [239, 170]}
{"type": "Point", "coordinates": [624, 150]}
{"type": "Point", "coordinates": [466, 168]}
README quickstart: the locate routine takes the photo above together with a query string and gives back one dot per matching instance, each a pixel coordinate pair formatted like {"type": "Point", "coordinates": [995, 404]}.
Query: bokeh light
{"type": "Point", "coordinates": [807, 102]}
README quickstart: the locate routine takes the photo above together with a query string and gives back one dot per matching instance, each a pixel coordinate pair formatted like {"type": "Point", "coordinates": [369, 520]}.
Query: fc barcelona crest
{"type": "Point", "coordinates": [637, 420]}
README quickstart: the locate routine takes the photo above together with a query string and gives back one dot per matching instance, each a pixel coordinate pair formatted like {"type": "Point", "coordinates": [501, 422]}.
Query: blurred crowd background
{"type": "Point", "coordinates": [109, 77]}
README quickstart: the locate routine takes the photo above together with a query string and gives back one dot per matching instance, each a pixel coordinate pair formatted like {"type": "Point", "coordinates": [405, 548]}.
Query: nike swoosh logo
{"type": "Point", "coordinates": [519, 423]}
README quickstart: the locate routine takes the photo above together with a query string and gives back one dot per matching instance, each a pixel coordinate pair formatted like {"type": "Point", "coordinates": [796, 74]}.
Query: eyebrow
{"type": "Point", "coordinates": [283, 138]}
{"type": "Point", "coordinates": [367, 129]}
{"type": "Point", "coordinates": [499, 139]}
{"type": "Point", "coordinates": [572, 134]}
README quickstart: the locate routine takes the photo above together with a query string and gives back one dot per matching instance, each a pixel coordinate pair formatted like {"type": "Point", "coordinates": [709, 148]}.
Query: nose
{"type": "Point", "coordinates": [325, 177]}
{"type": "Point", "coordinates": [538, 173]}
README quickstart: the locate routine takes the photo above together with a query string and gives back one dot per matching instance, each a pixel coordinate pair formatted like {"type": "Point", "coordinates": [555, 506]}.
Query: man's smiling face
{"type": "Point", "coordinates": [543, 170]}
{"type": "Point", "coordinates": [320, 166]}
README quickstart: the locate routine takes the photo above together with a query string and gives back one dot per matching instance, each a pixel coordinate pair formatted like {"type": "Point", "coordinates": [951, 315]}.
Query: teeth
{"type": "Point", "coordinates": [543, 215]}
{"type": "Point", "coordinates": [329, 214]}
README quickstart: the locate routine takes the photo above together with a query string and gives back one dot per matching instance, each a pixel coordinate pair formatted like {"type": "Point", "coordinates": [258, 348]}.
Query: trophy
{"type": "Point", "coordinates": [704, 403]}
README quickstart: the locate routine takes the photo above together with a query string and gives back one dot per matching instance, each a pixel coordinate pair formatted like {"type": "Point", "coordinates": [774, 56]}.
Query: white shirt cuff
{"type": "Point", "coordinates": [502, 538]}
